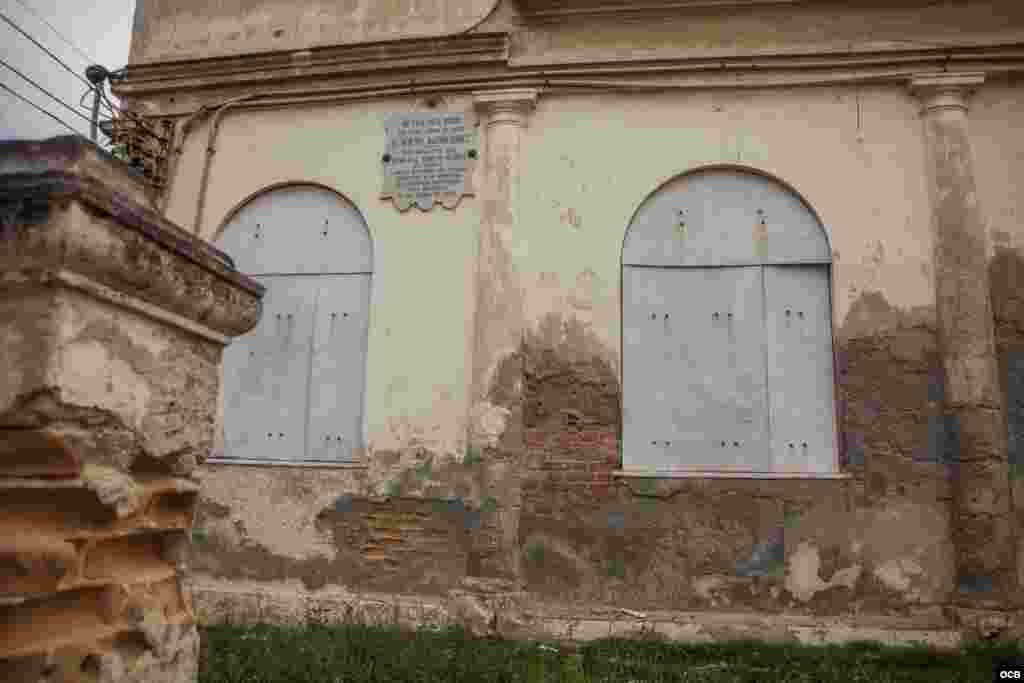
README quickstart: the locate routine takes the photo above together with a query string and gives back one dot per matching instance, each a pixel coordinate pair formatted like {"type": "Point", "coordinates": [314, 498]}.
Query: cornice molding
{"type": "Point", "coordinates": [322, 62]}
{"type": "Point", "coordinates": [483, 62]}
{"type": "Point", "coordinates": [535, 11]}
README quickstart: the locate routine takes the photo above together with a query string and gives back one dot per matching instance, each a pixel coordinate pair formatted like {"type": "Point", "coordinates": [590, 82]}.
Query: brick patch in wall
{"type": "Point", "coordinates": [574, 440]}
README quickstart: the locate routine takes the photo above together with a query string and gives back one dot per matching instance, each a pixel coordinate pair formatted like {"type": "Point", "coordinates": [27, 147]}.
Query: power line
{"type": "Point", "coordinates": [47, 51]}
{"type": "Point", "coordinates": [36, 106]}
{"type": "Point", "coordinates": [67, 41]}
{"type": "Point", "coordinates": [51, 95]}
{"type": "Point", "coordinates": [44, 49]}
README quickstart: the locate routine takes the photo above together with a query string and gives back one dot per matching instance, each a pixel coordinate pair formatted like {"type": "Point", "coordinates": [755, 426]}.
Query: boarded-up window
{"type": "Point", "coordinates": [727, 342]}
{"type": "Point", "coordinates": [294, 386]}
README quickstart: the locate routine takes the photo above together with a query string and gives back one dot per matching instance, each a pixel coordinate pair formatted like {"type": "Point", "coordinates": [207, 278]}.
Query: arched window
{"type": "Point", "coordinates": [293, 386]}
{"type": "Point", "coordinates": [727, 337]}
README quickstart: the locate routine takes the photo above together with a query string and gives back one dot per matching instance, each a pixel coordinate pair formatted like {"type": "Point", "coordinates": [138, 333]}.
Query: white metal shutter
{"type": "Point", "coordinates": [718, 406]}
{"type": "Point", "coordinates": [694, 376]}
{"type": "Point", "coordinates": [338, 366]}
{"type": "Point", "coordinates": [740, 390]}
{"type": "Point", "coordinates": [266, 375]}
{"type": "Point", "coordinates": [647, 296]}
{"type": "Point", "coordinates": [294, 386]}
{"type": "Point", "coordinates": [800, 374]}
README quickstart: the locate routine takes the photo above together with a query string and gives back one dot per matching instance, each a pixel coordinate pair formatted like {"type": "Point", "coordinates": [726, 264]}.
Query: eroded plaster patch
{"type": "Point", "coordinates": [489, 422]}
{"type": "Point", "coordinates": [803, 580]}
{"type": "Point", "coordinates": [90, 375]}
{"type": "Point", "coordinates": [898, 573]}
{"type": "Point", "coordinates": [706, 587]}
{"type": "Point", "coordinates": [279, 512]}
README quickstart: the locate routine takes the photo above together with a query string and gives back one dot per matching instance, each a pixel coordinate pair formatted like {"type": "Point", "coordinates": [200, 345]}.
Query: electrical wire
{"type": "Point", "coordinates": [48, 52]}
{"type": "Point", "coordinates": [44, 111]}
{"type": "Point", "coordinates": [67, 41]}
{"type": "Point", "coordinates": [44, 49]}
{"type": "Point", "coordinates": [142, 122]}
{"type": "Point", "coordinates": [47, 92]}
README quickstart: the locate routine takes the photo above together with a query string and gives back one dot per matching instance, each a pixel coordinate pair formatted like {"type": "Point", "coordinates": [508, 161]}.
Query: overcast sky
{"type": "Point", "coordinates": [99, 28]}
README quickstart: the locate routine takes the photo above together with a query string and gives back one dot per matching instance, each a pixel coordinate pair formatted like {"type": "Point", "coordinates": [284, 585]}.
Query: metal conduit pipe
{"type": "Point", "coordinates": [176, 148]}
{"type": "Point", "coordinates": [208, 161]}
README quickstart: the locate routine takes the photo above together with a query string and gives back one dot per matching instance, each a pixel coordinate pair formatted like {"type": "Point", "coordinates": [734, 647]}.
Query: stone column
{"type": "Point", "coordinates": [112, 324]}
{"type": "Point", "coordinates": [495, 420]}
{"type": "Point", "coordinates": [983, 531]}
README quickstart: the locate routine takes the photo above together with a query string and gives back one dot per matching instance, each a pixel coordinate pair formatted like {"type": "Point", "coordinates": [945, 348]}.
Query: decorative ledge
{"type": "Point", "coordinates": [288, 463]}
{"type": "Point", "coordinates": [70, 211]}
{"type": "Point", "coordinates": [557, 9]}
{"type": "Point", "coordinates": [346, 61]}
{"type": "Point", "coordinates": [657, 473]}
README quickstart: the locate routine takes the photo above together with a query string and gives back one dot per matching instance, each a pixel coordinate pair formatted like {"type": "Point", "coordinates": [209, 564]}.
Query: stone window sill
{"type": "Point", "coordinates": [670, 473]}
{"type": "Point", "coordinates": [341, 465]}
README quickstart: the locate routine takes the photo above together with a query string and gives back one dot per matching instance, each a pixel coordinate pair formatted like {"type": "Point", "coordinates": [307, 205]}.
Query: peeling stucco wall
{"type": "Point", "coordinates": [999, 168]}
{"type": "Point", "coordinates": [428, 514]}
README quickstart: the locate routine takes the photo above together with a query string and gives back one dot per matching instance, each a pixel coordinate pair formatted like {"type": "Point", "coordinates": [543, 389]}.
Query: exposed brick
{"type": "Point", "coordinates": [32, 563]}
{"type": "Point", "coordinates": [536, 438]}
{"type": "Point", "coordinates": [127, 559]}
{"type": "Point", "coordinates": [37, 453]}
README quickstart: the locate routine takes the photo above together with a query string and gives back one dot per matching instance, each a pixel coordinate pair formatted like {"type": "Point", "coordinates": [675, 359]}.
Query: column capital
{"type": "Point", "coordinates": [511, 106]}
{"type": "Point", "coordinates": [945, 90]}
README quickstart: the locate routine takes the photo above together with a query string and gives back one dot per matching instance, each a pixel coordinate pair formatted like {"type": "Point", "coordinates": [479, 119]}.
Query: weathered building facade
{"type": "Point", "coordinates": [724, 337]}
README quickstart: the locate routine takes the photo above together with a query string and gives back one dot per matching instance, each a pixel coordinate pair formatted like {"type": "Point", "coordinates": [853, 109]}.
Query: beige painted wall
{"type": "Point", "coordinates": [193, 30]}
{"type": "Point", "coordinates": [996, 116]}
{"type": "Point", "coordinates": [588, 163]}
